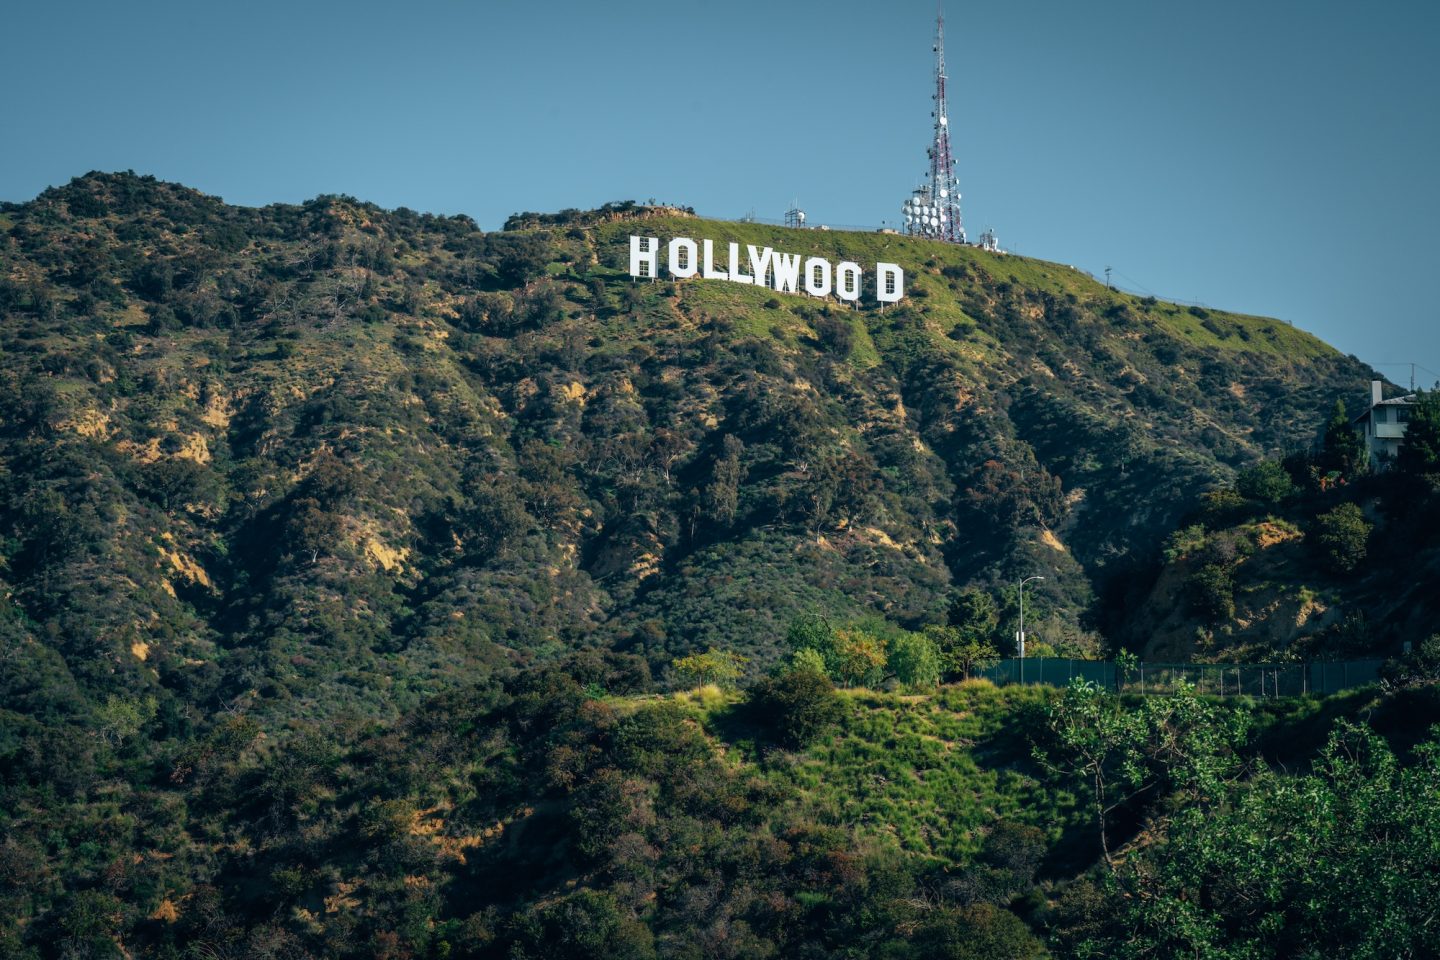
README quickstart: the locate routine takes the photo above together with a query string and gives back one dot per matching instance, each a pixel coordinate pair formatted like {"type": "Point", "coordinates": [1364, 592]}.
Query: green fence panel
{"type": "Point", "coordinates": [1214, 679]}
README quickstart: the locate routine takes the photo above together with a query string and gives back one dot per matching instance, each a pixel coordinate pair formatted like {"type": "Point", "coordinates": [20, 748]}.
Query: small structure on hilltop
{"type": "Point", "coordinates": [1384, 424]}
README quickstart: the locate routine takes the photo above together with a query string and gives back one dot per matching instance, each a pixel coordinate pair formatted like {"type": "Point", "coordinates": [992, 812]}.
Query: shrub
{"type": "Point", "coordinates": [1211, 592]}
{"type": "Point", "coordinates": [914, 659]}
{"type": "Point", "coordinates": [1184, 542]}
{"type": "Point", "coordinates": [1341, 536]}
{"type": "Point", "coordinates": [796, 707]}
{"type": "Point", "coordinates": [1267, 482]}
{"type": "Point", "coordinates": [720, 667]}
{"type": "Point", "coordinates": [1420, 665]}
{"type": "Point", "coordinates": [981, 931]}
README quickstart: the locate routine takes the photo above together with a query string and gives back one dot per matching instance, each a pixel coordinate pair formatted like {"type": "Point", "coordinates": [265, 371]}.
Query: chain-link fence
{"type": "Point", "coordinates": [1217, 679]}
{"type": "Point", "coordinates": [1050, 671]}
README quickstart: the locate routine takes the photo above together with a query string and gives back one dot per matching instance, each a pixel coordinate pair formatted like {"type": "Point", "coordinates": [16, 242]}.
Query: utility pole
{"type": "Point", "coordinates": [1021, 635]}
{"type": "Point", "coordinates": [1107, 279]}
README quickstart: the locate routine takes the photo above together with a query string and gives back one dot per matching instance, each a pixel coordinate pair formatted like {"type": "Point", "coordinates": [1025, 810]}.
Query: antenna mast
{"type": "Point", "coordinates": [934, 209]}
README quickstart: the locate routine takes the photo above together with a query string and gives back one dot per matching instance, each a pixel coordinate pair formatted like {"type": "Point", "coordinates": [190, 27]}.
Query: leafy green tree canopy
{"type": "Point", "coordinates": [1341, 536]}
{"type": "Point", "coordinates": [1267, 482]}
{"type": "Point", "coordinates": [797, 706]}
{"type": "Point", "coordinates": [914, 659]}
{"type": "Point", "coordinates": [722, 667]}
{"type": "Point", "coordinates": [1420, 451]}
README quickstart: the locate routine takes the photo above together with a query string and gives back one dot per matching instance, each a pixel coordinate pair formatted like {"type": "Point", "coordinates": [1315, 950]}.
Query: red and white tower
{"type": "Point", "coordinates": [933, 210]}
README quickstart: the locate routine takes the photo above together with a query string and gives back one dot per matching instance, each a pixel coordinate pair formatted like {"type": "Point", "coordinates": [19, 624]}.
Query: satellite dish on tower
{"type": "Point", "coordinates": [933, 210]}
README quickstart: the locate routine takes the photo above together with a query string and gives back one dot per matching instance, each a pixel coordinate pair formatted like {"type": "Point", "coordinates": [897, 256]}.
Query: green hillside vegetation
{"type": "Point", "coordinates": [293, 450]}
{"type": "Point", "coordinates": [1319, 556]}
{"type": "Point", "coordinates": [567, 813]}
{"type": "Point", "coordinates": [357, 566]}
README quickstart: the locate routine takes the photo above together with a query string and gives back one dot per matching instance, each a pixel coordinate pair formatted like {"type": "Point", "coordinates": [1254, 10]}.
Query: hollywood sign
{"type": "Point", "coordinates": [783, 272]}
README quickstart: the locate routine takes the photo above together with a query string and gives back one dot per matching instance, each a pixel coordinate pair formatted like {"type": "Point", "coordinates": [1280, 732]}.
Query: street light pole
{"type": "Point", "coordinates": [1022, 612]}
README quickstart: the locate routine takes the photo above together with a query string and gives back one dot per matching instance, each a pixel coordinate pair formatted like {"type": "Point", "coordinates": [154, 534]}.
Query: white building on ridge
{"type": "Point", "coordinates": [1384, 423]}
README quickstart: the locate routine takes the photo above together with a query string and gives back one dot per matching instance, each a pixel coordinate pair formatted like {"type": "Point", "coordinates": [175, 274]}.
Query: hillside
{"type": "Point", "coordinates": [345, 555]}
{"type": "Point", "coordinates": [1296, 573]}
{"type": "Point", "coordinates": [566, 813]}
{"type": "Point", "coordinates": [308, 454]}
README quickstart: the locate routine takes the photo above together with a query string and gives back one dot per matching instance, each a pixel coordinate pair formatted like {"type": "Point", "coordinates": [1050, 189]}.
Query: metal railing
{"type": "Point", "coordinates": [1215, 679]}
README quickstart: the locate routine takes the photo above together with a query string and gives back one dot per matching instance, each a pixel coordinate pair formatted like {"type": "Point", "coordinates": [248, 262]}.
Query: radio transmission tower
{"type": "Point", "coordinates": [933, 210]}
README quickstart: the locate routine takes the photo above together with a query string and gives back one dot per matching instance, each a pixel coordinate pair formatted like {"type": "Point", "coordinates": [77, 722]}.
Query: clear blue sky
{"type": "Point", "coordinates": [1272, 157]}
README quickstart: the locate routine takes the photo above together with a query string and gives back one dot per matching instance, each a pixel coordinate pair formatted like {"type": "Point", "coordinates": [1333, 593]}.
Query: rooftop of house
{"type": "Point", "coordinates": [1364, 415]}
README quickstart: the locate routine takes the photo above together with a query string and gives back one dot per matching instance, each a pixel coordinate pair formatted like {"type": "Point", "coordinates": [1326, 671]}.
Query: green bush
{"type": "Point", "coordinates": [1341, 536]}
{"type": "Point", "coordinates": [796, 707]}
{"type": "Point", "coordinates": [1267, 482]}
{"type": "Point", "coordinates": [981, 931]}
{"type": "Point", "coordinates": [1420, 665]}
{"type": "Point", "coordinates": [914, 659]}
{"type": "Point", "coordinates": [1182, 543]}
{"type": "Point", "coordinates": [1210, 591]}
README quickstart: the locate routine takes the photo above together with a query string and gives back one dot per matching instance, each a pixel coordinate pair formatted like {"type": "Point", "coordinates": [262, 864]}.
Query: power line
{"type": "Point", "coordinates": [1413, 367]}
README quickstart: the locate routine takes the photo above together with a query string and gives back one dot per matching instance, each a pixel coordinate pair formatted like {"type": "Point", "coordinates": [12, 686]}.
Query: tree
{"type": "Point", "coordinates": [841, 487]}
{"type": "Point", "coordinates": [713, 666]}
{"type": "Point", "coordinates": [810, 633]}
{"type": "Point", "coordinates": [1267, 482]}
{"type": "Point", "coordinates": [971, 638]}
{"type": "Point", "coordinates": [808, 659]}
{"type": "Point", "coordinates": [518, 257]}
{"type": "Point", "coordinates": [1178, 745]}
{"type": "Point", "coordinates": [1420, 665]}
{"type": "Point", "coordinates": [1008, 497]}
{"type": "Point", "coordinates": [1335, 862]}
{"type": "Point", "coordinates": [1342, 450]}
{"type": "Point", "coordinates": [1420, 450]}
{"type": "Point", "coordinates": [722, 494]}
{"type": "Point", "coordinates": [836, 334]}
{"type": "Point", "coordinates": [1341, 537]}
{"type": "Point", "coordinates": [311, 530]}
{"type": "Point", "coordinates": [122, 718]}
{"type": "Point", "coordinates": [1220, 508]}
{"type": "Point", "coordinates": [962, 652]}
{"type": "Point", "coordinates": [174, 481]}
{"type": "Point", "coordinates": [797, 706]}
{"type": "Point", "coordinates": [496, 517]}
{"type": "Point", "coordinates": [585, 925]}
{"type": "Point", "coordinates": [1210, 591]}
{"type": "Point", "coordinates": [667, 447]}
{"type": "Point", "coordinates": [89, 923]}
{"type": "Point", "coordinates": [980, 931]}
{"type": "Point", "coordinates": [914, 659]}
{"type": "Point", "coordinates": [859, 657]}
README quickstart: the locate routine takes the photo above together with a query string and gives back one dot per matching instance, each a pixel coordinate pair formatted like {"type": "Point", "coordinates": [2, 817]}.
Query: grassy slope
{"type": "Point", "coordinates": [931, 774]}
{"type": "Point", "coordinates": [923, 260]}
{"type": "Point", "coordinates": [928, 774]}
